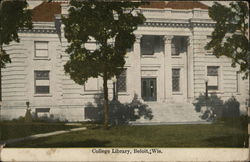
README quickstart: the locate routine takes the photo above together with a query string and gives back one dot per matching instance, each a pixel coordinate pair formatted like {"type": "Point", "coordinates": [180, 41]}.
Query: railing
{"type": "Point", "coordinates": [170, 13]}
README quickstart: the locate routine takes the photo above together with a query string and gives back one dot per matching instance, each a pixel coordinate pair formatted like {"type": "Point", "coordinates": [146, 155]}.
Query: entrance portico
{"type": "Point", "coordinates": [163, 62]}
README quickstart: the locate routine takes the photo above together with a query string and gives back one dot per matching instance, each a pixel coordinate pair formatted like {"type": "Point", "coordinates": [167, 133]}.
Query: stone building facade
{"type": "Point", "coordinates": [167, 65]}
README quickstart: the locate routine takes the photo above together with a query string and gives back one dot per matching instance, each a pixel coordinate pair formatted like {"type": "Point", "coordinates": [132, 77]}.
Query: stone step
{"type": "Point", "coordinates": [170, 112]}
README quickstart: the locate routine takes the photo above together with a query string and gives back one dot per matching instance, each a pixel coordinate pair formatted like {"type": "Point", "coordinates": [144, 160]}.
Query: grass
{"type": "Point", "coordinates": [209, 135]}
{"type": "Point", "coordinates": [10, 129]}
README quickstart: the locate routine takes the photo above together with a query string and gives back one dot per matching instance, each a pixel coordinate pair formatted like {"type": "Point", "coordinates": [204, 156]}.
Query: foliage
{"type": "Point", "coordinates": [230, 36]}
{"type": "Point", "coordinates": [107, 23]}
{"type": "Point", "coordinates": [232, 108]}
{"type": "Point", "coordinates": [111, 25]}
{"type": "Point", "coordinates": [13, 15]}
{"type": "Point", "coordinates": [217, 108]}
{"type": "Point", "coordinates": [119, 113]}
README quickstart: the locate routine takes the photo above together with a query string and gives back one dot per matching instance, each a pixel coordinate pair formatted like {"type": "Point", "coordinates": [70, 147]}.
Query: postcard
{"type": "Point", "coordinates": [124, 80]}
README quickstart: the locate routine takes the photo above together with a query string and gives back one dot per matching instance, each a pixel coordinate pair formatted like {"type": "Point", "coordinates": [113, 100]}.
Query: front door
{"type": "Point", "coordinates": [148, 86]}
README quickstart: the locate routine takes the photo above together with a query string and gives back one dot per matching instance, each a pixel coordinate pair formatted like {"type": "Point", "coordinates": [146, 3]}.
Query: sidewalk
{"type": "Point", "coordinates": [41, 135]}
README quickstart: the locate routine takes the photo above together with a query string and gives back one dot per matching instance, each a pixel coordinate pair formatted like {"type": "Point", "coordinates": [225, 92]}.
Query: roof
{"type": "Point", "coordinates": [180, 5]}
{"type": "Point", "coordinates": [46, 11]}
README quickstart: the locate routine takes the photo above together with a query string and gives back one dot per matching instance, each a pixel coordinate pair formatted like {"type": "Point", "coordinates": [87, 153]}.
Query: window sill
{"type": "Point", "coordinates": [91, 93]}
{"type": "Point", "coordinates": [123, 94]}
{"type": "Point", "coordinates": [177, 93]}
{"type": "Point", "coordinates": [215, 92]}
{"type": "Point", "coordinates": [176, 56]}
{"type": "Point", "coordinates": [148, 56]}
{"type": "Point", "coordinates": [38, 58]}
{"type": "Point", "coordinates": [42, 95]}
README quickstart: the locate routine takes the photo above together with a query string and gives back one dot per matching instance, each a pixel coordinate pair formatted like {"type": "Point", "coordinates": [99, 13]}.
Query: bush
{"type": "Point", "coordinates": [119, 113]}
{"type": "Point", "coordinates": [217, 109]}
{"type": "Point", "coordinates": [231, 108]}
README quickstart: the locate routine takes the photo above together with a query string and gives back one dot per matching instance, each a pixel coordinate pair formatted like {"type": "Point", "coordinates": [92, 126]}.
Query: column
{"type": "Point", "coordinates": [167, 68]}
{"type": "Point", "coordinates": [137, 66]}
{"type": "Point", "coordinates": [190, 70]}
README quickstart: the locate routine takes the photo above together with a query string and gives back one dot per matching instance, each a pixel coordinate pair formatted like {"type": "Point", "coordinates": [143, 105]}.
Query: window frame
{"type": "Point", "coordinates": [219, 78]}
{"type": "Point", "coordinates": [179, 79]}
{"type": "Point", "coordinates": [179, 44]}
{"type": "Point", "coordinates": [208, 39]}
{"type": "Point", "coordinates": [35, 49]}
{"type": "Point", "coordinates": [142, 46]}
{"type": "Point", "coordinates": [125, 76]}
{"type": "Point", "coordinates": [35, 84]}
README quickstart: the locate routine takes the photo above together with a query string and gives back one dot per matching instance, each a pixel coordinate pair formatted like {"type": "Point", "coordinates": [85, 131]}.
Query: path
{"type": "Point", "coordinates": [41, 135]}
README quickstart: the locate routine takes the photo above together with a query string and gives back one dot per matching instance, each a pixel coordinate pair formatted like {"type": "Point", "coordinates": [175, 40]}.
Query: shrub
{"type": "Point", "coordinates": [119, 113]}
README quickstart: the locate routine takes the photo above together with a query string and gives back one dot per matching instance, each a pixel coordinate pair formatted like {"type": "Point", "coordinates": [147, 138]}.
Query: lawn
{"type": "Point", "coordinates": [10, 130]}
{"type": "Point", "coordinates": [208, 135]}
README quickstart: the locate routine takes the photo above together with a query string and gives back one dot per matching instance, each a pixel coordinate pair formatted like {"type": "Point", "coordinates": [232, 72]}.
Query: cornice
{"type": "Point", "coordinates": [178, 24]}
{"type": "Point", "coordinates": [45, 31]}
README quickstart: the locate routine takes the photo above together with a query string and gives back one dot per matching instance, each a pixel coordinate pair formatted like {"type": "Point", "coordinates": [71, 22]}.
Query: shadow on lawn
{"type": "Point", "coordinates": [120, 113]}
{"type": "Point", "coordinates": [85, 143]}
{"type": "Point", "coordinates": [213, 107]}
{"type": "Point", "coordinates": [228, 141]}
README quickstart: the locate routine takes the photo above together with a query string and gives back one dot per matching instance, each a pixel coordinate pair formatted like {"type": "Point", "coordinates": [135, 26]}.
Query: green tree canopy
{"type": "Point", "coordinates": [13, 15]}
{"type": "Point", "coordinates": [111, 25]}
{"type": "Point", "coordinates": [230, 36]}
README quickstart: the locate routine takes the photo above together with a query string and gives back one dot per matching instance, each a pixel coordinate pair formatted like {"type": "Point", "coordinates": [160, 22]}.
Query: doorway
{"type": "Point", "coordinates": [148, 86]}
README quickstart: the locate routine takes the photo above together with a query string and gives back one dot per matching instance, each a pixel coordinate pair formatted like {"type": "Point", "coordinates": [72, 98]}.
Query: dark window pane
{"type": "Point", "coordinates": [147, 45]}
{"type": "Point", "coordinates": [178, 45]}
{"type": "Point", "coordinates": [175, 80]}
{"type": "Point", "coordinates": [173, 50]}
{"type": "Point", "coordinates": [121, 82]}
{"type": "Point", "coordinates": [175, 46]}
{"type": "Point", "coordinates": [144, 88]}
{"type": "Point", "coordinates": [212, 71]}
{"type": "Point", "coordinates": [42, 89]}
{"type": "Point", "coordinates": [212, 87]}
{"type": "Point", "coordinates": [152, 86]}
{"type": "Point", "coordinates": [42, 75]}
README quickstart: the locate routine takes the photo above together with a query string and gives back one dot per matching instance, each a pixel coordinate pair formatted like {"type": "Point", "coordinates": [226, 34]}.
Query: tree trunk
{"type": "Point", "coordinates": [106, 104]}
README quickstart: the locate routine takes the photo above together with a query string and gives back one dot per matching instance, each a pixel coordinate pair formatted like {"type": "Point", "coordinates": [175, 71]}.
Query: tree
{"type": "Point", "coordinates": [112, 25]}
{"type": "Point", "coordinates": [13, 15]}
{"type": "Point", "coordinates": [230, 35]}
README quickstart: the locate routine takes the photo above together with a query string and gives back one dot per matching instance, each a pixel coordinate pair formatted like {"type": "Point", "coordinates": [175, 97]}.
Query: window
{"type": "Point", "coordinates": [178, 45]}
{"type": "Point", "coordinates": [209, 38]}
{"type": "Point", "coordinates": [92, 84]}
{"type": "Point", "coordinates": [42, 112]}
{"type": "Point", "coordinates": [41, 49]}
{"type": "Point", "coordinates": [213, 77]}
{"type": "Point", "coordinates": [42, 82]}
{"type": "Point", "coordinates": [147, 45]}
{"type": "Point", "coordinates": [121, 82]}
{"type": "Point", "coordinates": [176, 80]}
